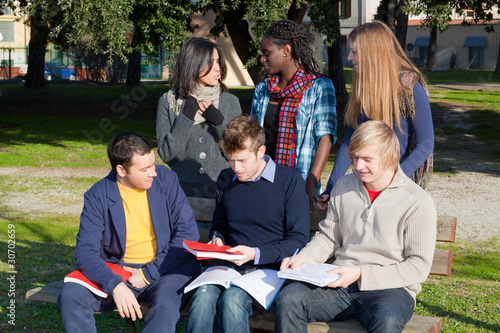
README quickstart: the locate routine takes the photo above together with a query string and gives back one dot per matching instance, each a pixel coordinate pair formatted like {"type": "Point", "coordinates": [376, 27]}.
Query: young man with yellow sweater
{"type": "Point", "coordinates": [380, 229]}
{"type": "Point", "coordinates": [136, 217]}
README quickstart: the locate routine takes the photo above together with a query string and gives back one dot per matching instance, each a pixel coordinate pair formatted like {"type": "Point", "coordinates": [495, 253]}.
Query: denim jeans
{"type": "Point", "coordinates": [216, 309]}
{"type": "Point", "coordinates": [377, 310]}
{"type": "Point", "coordinates": [165, 295]}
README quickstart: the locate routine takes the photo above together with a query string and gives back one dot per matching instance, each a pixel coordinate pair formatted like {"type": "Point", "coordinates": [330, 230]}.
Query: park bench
{"type": "Point", "coordinates": [203, 210]}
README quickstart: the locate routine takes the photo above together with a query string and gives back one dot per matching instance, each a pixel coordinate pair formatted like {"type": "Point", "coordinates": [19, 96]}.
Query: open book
{"type": "Point", "coordinates": [78, 277]}
{"type": "Point", "coordinates": [262, 284]}
{"type": "Point", "coordinates": [313, 273]}
{"type": "Point", "coordinates": [210, 251]}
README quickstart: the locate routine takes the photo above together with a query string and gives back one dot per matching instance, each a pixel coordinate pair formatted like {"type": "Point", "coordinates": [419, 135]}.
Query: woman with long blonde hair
{"type": "Point", "coordinates": [386, 86]}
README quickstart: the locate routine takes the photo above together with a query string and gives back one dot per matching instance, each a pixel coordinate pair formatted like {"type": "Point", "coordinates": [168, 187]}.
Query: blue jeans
{"type": "Point", "coordinates": [216, 309]}
{"type": "Point", "coordinates": [165, 296]}
{"type": "Point", "coordinates": [378, 310]}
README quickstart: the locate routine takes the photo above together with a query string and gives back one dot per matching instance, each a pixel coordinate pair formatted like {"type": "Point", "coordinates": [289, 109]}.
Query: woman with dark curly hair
{"type": "Point", "coordinates": [191, 117]}
{"type": "Point", "coordinates": [296, 106]}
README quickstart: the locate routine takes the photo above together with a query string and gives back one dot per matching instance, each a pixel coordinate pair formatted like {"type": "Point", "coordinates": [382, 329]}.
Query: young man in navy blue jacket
{"type": "Point", "coordinates": [136, 217]}
{"type": "Point", "coordinates": [262, 210]}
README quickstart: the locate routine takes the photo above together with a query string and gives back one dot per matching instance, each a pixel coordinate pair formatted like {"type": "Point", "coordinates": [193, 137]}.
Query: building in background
{"type": "Point", "coordinates": [465, 47]}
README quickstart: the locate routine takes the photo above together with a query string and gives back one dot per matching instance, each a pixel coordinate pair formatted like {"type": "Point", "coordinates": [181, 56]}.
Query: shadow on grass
{"type": "Point", "coordinates": [57, 131]}
{"type": "Point", "coordinates": [445, 314]}
{"type": "Point", "coordinates": [466, 141]}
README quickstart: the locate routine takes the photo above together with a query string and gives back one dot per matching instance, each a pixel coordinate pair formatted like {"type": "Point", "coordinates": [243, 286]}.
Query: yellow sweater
{"type": "Point", "coordinates": [141, 239]}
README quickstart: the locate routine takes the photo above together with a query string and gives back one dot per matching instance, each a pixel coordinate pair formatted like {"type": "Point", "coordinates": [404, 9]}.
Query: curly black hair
{"type": "Point", "coordinates": [287, 32]}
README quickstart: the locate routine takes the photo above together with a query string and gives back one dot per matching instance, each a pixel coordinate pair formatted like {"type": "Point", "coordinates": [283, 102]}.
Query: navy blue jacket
{"type": "Point", "coordinates": [102, 233]}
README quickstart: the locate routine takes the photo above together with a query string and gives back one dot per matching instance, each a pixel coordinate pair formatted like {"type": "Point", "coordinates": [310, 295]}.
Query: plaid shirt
{"type": "Point", "coordinates": [316, 116]}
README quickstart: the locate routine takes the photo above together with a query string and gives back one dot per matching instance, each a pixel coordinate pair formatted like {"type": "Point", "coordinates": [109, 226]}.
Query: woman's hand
{"type": "Point", "coordinates": [203, 106]}
{"type": "Point", "coordinates": [322, 202]}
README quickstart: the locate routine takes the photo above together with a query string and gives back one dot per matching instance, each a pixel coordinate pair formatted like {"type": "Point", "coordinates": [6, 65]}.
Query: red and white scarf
{"type": "Point", "coordinates": [292, 95]}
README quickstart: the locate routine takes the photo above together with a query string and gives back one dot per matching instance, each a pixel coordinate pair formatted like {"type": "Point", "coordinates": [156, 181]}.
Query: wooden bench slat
{"type": "Point", "coordinates": [47, 293]}
{"type": "Point", "coordinates": [441, 264]}
{"type": "Point", "coordinates": [417, 324]}
{"type": "Point", "coordinates": [446, 228]}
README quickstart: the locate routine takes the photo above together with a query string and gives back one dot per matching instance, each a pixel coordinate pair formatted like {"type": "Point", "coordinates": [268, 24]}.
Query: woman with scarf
{"type": "Point", "coordinates": [296, 106]}
{"type": "Point", "coordinates": [191, 117]}
{"type": "Point", "coordinates": [386, 86]}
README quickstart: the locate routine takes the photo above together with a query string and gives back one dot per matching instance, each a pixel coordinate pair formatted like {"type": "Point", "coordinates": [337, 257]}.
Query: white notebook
{"type": "Point", "coordinates": [313, 273]}
{"type": "Point", "coordinates": [262, 284]}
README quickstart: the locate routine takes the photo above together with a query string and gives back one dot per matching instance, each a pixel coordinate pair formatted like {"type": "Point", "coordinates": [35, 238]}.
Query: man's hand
{"type": "Point", "coordinates": [136, 278]}
{"type": "Point", "coordinates": [348, 275]}
{"type": "Point", "coordinates": [126, 303]}
{"type": "Point", "coordinates": [322, 204]}
{"type": "Point", "coordinates": [248, 251]}
{"type": "Point", "coordinates": [217, 241]}
{"type": "Point", "coordinates": [299, 260]}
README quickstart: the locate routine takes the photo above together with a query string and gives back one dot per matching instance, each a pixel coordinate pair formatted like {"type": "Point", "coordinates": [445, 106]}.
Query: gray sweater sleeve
{"type": "Point", "coordinates": [172, 132]}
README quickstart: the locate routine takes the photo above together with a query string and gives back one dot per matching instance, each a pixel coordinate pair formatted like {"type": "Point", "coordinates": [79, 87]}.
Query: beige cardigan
{"type": "Point", "coordinates": [392, 240]}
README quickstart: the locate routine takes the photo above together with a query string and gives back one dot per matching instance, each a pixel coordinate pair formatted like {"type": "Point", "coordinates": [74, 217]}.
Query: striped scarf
{"type": "Point", "coordinates": [291, 95]}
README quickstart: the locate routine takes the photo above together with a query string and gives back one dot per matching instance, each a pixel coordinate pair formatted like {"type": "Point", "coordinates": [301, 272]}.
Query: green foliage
{"type": "Point", "coordinates": [161, 24]}
{"type": "Point", "coordinates": [437, 12]}
{"type": "Point", "coordinates": [322, 14]}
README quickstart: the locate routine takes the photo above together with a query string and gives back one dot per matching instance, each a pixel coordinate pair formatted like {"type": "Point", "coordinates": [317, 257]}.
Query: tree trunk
{"type": "Point", "coordinates": [297, 14]}
{"type": "Point", "coordinates": [237, 28]}
{"type": "Point", "coordinates": [134, 66]}
{"type": "Point", "coordinates": [431, 53]}
{"type": "Point", "coordinates": [391, 15]}
{"type": "Point", "coordinates": [36, 52]}
{"type": "Point", "coordinates": [497, 68]}
{"type": "Point", "coordinates": [402, 25]}
{"type": "Point", "coordinates": [335, 66]}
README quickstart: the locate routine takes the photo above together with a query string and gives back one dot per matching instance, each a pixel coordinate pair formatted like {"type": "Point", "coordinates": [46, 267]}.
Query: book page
{"type": "Point", "coordinates": [262, 284]}
{"type": "Point", "coordinates": [313, 273]}
{"type": "Point", "coordinates": [220, 275]}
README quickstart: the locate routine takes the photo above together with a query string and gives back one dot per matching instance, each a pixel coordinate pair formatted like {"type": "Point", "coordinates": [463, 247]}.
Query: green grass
{"type": "Point", "coordinates": [62, 141]}
{"type": "Point", "coordinates": [461, 76]}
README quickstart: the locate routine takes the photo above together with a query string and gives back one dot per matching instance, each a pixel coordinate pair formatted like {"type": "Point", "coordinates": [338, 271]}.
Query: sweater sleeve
{"type": "Point", "coordinates": [342, 162]}
{"type": "Point", "coordinates": [323, 245]}
{"type": "Point", "coordinates": [419, 242]}
{"type": "Point", "coordinates": [423, 130]}
{"type": "Point", "coordinates": [172, 132]}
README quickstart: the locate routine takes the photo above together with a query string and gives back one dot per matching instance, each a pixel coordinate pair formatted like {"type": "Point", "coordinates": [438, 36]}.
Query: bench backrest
{"type": "Point", "coordinates": [446, 230]}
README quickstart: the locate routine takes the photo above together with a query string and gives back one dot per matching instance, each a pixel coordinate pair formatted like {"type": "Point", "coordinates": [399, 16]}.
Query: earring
{"type": "Point", "coordinates": [284, 55]}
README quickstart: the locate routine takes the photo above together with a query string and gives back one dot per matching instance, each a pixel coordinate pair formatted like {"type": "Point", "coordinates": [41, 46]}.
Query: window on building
{"type": "Point", "coordinates": [7, 31]}
{"type": "Point", "coordinates": [345, 8]}
{"type": "Point", "coordinates": [7, 11]}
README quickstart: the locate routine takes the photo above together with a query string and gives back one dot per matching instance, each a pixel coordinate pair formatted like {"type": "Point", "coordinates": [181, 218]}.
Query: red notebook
{"type": "Point", "coordinates": [210, 251]}
{"type": "Point", "coordinates": [78, 277]}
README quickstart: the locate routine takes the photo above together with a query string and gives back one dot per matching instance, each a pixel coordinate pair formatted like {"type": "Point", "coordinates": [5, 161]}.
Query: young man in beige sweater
{"type": "Point", "coordinates": [380, 229]}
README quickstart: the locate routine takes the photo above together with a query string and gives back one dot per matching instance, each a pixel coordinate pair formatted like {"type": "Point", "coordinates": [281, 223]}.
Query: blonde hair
{"type": "Point", "coordinates": [377, 133]}
{"type": "Point", "coordinates": [377, 88]}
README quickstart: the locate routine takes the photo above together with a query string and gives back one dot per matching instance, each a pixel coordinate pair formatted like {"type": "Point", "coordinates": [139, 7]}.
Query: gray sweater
{"type": "Point", "coordinates": [392, 240]}
{"type": "Point", "coordinates": [192, 152]}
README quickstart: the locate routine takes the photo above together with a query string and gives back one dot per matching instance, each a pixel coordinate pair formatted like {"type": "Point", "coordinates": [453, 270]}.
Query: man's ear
{"type": "Point", "coordinates": [120, 170]}
{"type": "Point", "coordinates": [261, 151]}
